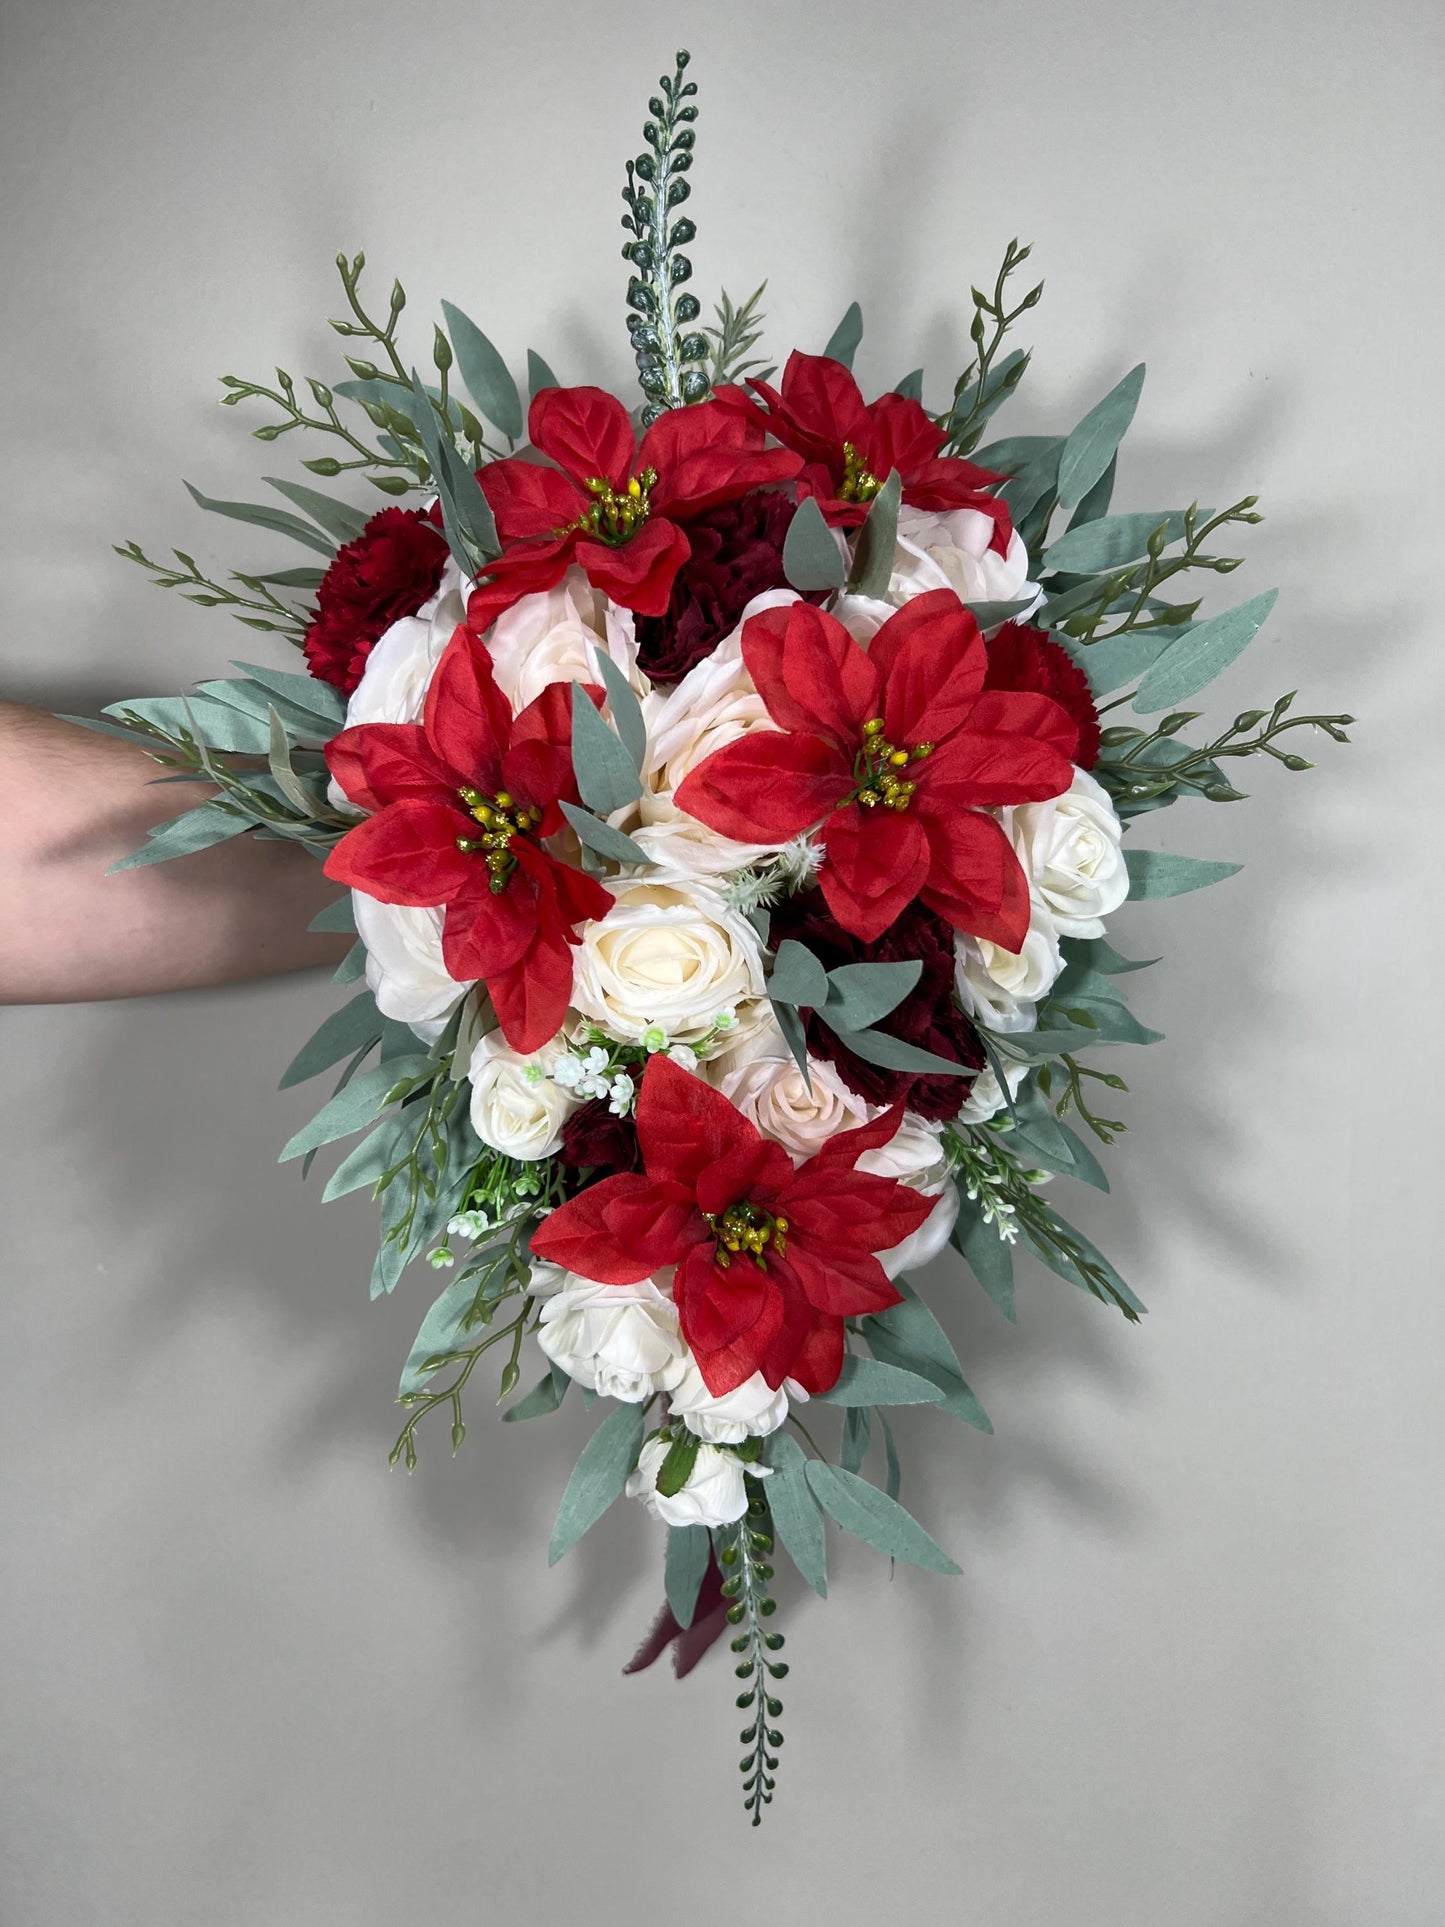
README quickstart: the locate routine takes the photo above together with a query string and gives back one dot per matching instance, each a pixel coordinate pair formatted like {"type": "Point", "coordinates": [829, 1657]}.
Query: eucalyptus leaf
{"type": "Point", "coordinates": [278, 752]}
{"type": "Point", "coordinates": [351, 1108]}
{"type": "Point", "coordinates": [1066, 1268]}
{"type": "Point", "coordinates": [539, 375]}
{"type": "Point", "coordinates": [870, 1515]}
{"type": "Point", "coordinates": [910, 1337]}
{"type": "Point", "coordinates": [798, 978]}
{"type": "Point", "coordinates": [1097, 954]}
{"type": "Point", "coordinates": [865, 1381]}
{"type": "Point", "coordinates": [811, 557]}
{"type": "Point", "coordinates": [877, 540]}
{"type": "Point", "coordinates": [1155, 873]}
{"type": "Point", "coordinates": [1119, 659]}
{"type": "Point", "coordinates": [262, 516]}
{"type": "Point", "coordinates": [877, 1047]}
{"type": "Point", "coordinates": [861, 994]}
{"type": "Point", "coordinates": [339, 520]}
{"type": "Point", "coordinates": [485, 373]}
{"type": "Point", "coordinates": [1209, 647]}
{"type": "Point", "coordinates": [1015, 453]}
{"type": "Point", "coordinates": [328, 705]}
{"type": "Point", "coordinates": [626, 710]}
{"type": "Point", "coordinates": [198, 829]}
{"type": "Point", "coordinates": [302, 578]}
{"type": "Point", "coordinates": [1096, 503]}
{"type": "Point", "coordinates": [1112, 541]}
{"type": "Point", "coordinates": [216, 724]}
{"type": "Point", "coordinates": [987, 1255]}
{"type": "Point", "coordinates": [795, 1037]}
{"type": "Point", "coordinates": [1090, 448]}
{"type": "Point", "coordinates": [596, 835]}
{"type": "Point", "coordinates": [543, 1398]}
{"type": "Point", "coordinates": [857, 1431]}
{"type": "Point", "coordinates": [369, 1160]}
{"type": "Point", "coordinates": [337, 918]}
{"type": "Point", "coordinates": [606, 775]}
{"type": "Point", "coordinates": [352, 965]}
{"type": "Point", "coordinates": [442, 1330]}
{"type": "Point", "coordinates": [990, 615]}
{"type": "Point", "coordinates": [893, 1471]}
{"type": "Point", "coordinates": [795, 1512]}
{"type": "Point", "coordinates": [684, 1568]}
{"type": "Point", "coordinates": [597, 1478]}
{"type": "Point", "coordinates": [357, 1024]}
{"type": "Point", "coordinates": [844, 340]}
{"type": "Point", "coordinates": [911, 386]}
{"type": "Point", "coordinates": [1034, 482]}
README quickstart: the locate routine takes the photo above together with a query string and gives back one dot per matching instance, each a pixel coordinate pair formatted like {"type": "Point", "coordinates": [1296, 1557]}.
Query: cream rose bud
{"type": "Point", "coordinates": [404, 968]}
{"type": "Point", "coordinates": [620, 1340]}
{"type": "Point", "coordinates": [550, 636]}
{"type": "Point", "coordinates": [716, 1493]}
{"type": "Point", "coordinates": [516, 1108]}
{"type": "Point", "coordinates": [928, 1240]}
{"type": "Point", "coordinates": [763, 1080]}
{"type": "Point", "coordinates": [985, 1098]}
{"type": "Point", "coordinates": [669, 952]}
{"type": "Point", "coordinates": [943, 549]}
{"type": "Point", "coordinates": [1001, 988]}
{"type": "Point", "coordinates": [750, 1410]}
{"type": "Point", "coordinates": [1072, 852]}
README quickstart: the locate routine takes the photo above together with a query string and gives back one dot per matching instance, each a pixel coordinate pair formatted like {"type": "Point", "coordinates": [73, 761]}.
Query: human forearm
{"type": "Point", "coordinates": [71, 804]}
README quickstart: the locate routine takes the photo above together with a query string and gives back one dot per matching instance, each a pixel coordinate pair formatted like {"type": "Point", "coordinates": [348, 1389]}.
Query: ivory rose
{"type": "Point", "coordinates": [620, 1340]}
{"type": "Point", "coordinates": [404, 968]}
{"type": "Point", "coordinates": [550, 636]}
{"type": "Point", "coordinates": [516, 1108]}
{"type": "Point", "coordinates": [715, 1494]}
{"type": "Point", "coordinates": [1072, 853]}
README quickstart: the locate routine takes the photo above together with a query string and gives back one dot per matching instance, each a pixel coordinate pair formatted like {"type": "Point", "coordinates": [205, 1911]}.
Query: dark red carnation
{"type": "Point", "coordinates": [929, 1016]}
{"type": "Point", "coordinates": [388, 572]}
{"type": "Point", "coordinates": [737, 553]}
{"type": "Point", "coordinates": [598, 1142]}
{"type": "Point", "coordinates": [1031, 663]}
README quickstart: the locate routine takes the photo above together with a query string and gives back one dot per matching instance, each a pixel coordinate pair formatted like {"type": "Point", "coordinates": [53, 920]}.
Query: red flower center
{"type": "Point", "coordinates": [878, 771]}
{"type": "Point", "coordinates": [747, 1229]}
{"type": "Point", "coordinates": [501, 818]}
{"type": "Point", "coordinates": [615, 518]}
{"type": "Point", "coordinates": [859, 483]}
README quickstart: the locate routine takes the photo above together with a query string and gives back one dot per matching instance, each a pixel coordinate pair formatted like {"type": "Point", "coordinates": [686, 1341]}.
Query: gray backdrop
{"type": "Point", "coordinates": [1191, 1675]}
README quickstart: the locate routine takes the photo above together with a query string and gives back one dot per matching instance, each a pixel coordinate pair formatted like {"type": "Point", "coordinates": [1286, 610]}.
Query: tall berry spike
{"type": "Point", "coordinates": [743, 1551]}
{"type": "Point", "coordinates": [670, 363]}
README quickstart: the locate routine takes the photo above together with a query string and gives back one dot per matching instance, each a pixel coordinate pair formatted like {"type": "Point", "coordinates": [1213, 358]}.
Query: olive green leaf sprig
{"type": "Point", "coordinates": [987, 382]}
{"type": "Point", "coordinates": [672, 366]}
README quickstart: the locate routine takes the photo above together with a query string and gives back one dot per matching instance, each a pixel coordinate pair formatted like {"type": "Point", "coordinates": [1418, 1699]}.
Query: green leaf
{"type": "Point", "coordinates": [357, 1024]}
{"type": "Point", "coordinates": [336, 919]}
{"type": "Point", "coordinates": [676, 1469]}
{"type": "Point", "coordinates": [352, 965]}
{"type": "Point", "coordinates": [370, 1159]}
{"type": "Point", "coordinates": [870, 1515]}
{"type": "Point", "coordinates": [606, 774]}
{"type": "Point", "coordinates": [1109, 543]}
{"type": "Point", "coordinates": [1090, 449]}
{"type": "Point", "coordinates": [1209, 647]}
{"type": "Point", "coordinates": [450, 474]}
{"type": "Point", "coordinates": [1066, 1268]}
{"type": "Point", "coordinates": [352, 1107]}
{"type": "Point", "coordinates": [539, 375]}
{"type": "Point", "coordinates": [197, 829]}
{"type": "Point", "coordinates": [1013, 455]}
{"type": "Point", "coordinates": [339, 519]}
{"type": "Point", "coordinates": [278, 753]}
{"type": "Point", "coordinates": [811, 557]}
{"type": "Point", "coordinates": [877, 1047]}
{"type": "Point", "coordinates": [865, 1381]}
{"type": "Point", "coordinates": [1094, 953]}
{"type": "Point", "coordinates": [857, 1431]}
{"type": "Point", "coordinates": [795, 1511]}
{"type": "Point", "coordinates": [684, 1568]}
{"type": "Point", "coordinates": [328, 705]}
{"type": "Point", "coordinates": [877, 540]}
{"type": "Point", "coordinates": [485, 373]}
{"type": "Point", "coordinates": [861, 994]}
{"type": "Point", "coordinates": [1096, 503]}
{"type": "Point", "coordinates": [543, 1398]}
{"type": "Point", "coordinates": [216, 724]}
{"type": "Point", "coordinates": [601, 837]}
{"type": "Point", "coordinates": [1034, 483]}
{"type": "Point", "coordinates": [293, 578]}
{"type": "Point", "coordinates": [795, 1037]}
{"type": "Point", "coordinates": [911, 386]}
{"type": "Point", "coordinates": [262, 516]}
{"type": "Point", "coordinates": [843, 342]}
{"type": "Point", "coordinates": [910, 1337]}
{"type": "Point", "coordinates": [988, 1257]}
{"type": "Point", "coordinates": [988, 615]}
{"type": "Point", "coordinates": [626, 710]}
{"type": "Point", "coordinates": [798, 978]}
{"type": "Point", "coordinates": [1155, 873]}
{"type": "Point", "coordinates": [893, 1473]}
{"type": "Point", "coordinates": [442, 1330]}
{"type": "Point", "coordinates": [1119, 659]}
{"type": "Point", "coordinates": [597, 1478]}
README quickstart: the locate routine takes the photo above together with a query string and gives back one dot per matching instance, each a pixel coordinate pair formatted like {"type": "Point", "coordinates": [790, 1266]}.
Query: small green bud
{"type": "Point", "coordinates": [441, 350]}
{"type": "Point", "coordinates": [511, 1372]}
{"type": "Point", "coordinates": [323, 465]}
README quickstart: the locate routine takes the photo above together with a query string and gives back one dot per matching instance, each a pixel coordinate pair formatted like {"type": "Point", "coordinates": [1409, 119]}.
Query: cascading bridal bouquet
{"type": "Point", "coordinates": [730, 837]}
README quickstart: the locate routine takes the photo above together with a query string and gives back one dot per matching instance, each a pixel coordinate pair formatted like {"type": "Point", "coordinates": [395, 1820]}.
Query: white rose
{"type": "Point", "coordinates": [1001, 988]}
{"type": "Point", "coordinates": [715, 1493]}
{"type": "Point", "coordinates": [1072, 852]}
{"type": "Point", "coordinates": [750, 1410]}
{"type": "Point", "coordinates": [928, 1240]}
{"type": "Point", "coordinates": [550, 637]}
{"type": "Point", "coordinates": [985, 1099]}
{"type": "Point", "coordinates": [620, 1340]}
{"type": "Point", "coordinates": [398, 672]}
{"type": "Point", "coordinates": [668, 952]}
{"type": "Point", "coordinates": [514, 1110]}
{"type": "Point", "coordinates": [943, 549]}
{"type": "Point", "coordinates": [404, 968]}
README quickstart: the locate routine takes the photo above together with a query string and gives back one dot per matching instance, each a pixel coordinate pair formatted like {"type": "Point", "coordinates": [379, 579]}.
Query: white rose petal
{"type": "Point", "coordinates": [751, 1410]}
{"type": "Point", "coordinates": [985, 1099]}
{"type": "Point", "coordinates": [550, 636]}
{"type": "Point", "coordinates": [1001, 988]}
{"type": "Point", "coordinates": [520, 1116]}
{"type": "Point", "coordinates": [928, 1240]}
{"type": "Point", "coordinates": [715, 1493]}
{"type": "Point", "coordinates": [943, 549]}
{"type": "Point", "coordinates": [404, 968]}
{"type": "Point", "coordinates": [1072, 852]}
{"type": "Point", "coordinates": [620, 1340]}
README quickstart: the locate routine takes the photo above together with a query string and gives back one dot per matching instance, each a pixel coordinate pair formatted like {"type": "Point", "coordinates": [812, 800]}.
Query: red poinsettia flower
{"type": "Point", "coordinates": [462, 803]}
{"type": "Point", "coordinates": [770, 1261]}
{"type": "Point", "coordinates": [612, 507]}
{"type": "Point", "coordinates": [850, 445]}
{"type": "Point", "coordinates": [895, 752]}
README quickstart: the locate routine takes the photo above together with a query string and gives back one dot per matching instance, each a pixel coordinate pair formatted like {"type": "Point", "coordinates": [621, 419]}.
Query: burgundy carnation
{"type": "Point", "coordinates": [388, 572]}
{"type": "Point", "coordinates": [1028, 661]}
{"type": "Point", "coordinates": [737, 553]}
{"type": "Point", "coordinates": [928, 1016]}
{"type": "Point", "coordinates": [598, 1142]}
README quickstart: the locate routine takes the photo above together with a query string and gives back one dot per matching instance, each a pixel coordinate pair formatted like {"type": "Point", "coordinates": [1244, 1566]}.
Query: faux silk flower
{"type": "Point", "coordinates": [770, 1261]}
{"type": "Point", "coordinates": [612, 506]}
{"type": "Point", "coordinates": [892, 754]}
{"type": "Point", "coordinates": [848, 447]}
{"type": "Point", "coordinates": [460, 806]}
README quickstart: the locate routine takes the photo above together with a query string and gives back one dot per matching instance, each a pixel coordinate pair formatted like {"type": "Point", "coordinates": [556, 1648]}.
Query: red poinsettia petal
{"type": "Point", "coordinates": [933, 662]}
{"type": "Point", "coordinates": [586, 431]}
{"type": "Point", "coordinates": [380, 763]}
{"type": "Point", "coordinates": [1013, 749]}
{"type": "Point", "coordinates": [766, 787]}
{"type": "Point", "coordinates": [533, 567]}
{"type": "Point", "coordinates": [568, 896]}
{"type": "Point", "coordinates": [641, 573]}
{"type": "Point", "coordinates": [528, 500]}
{"type": "Point", "coordinates": [976, 881]}
{"type": "Point", "coordinates": [844, 1150]}
{"type": "Point", "coordinates": [811, 673]}
{"type": "Point", "coordinates": [949, 483]}
{"type": "Point", "coordinates": [822, 407]}
{"type": "Point", "coordinates": [758, 1171]}
{"type": "Point", "coordinates": [684, 1125]}
{"type": "Point", "coordinates": [486, 935]}
{"type": "Point", "coordinates": [597, 1233]}
{"type": "Point", "coordinates": [821, 484]}
{"type": "Point", "coordinates": [876, 864]}
{"type": "Point", "coordinates": [468, 719]}
{"type": "Point", "coordinates": [845, 1284]}
{"type": "Point", "coordinates": [710, 453]}
{"type": "Point", "coordinates": [817, 1364]}
{"type": "Point", "coordinates": [729, 1317]}
{"type": "Point", "coordinates": [899, 435]}
{"type": "Point", "coordinates": [834, 1210]}
{"type": "Point", "coordinates": [405, 854]}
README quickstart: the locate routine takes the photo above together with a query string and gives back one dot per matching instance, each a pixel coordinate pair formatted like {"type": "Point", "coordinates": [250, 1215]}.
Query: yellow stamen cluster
{"type": "Point", "coordinates": [501, 819]}
{"type": "Point", "coordinates": [615, 518]}
{"type": "Point", "coordinates": [747, 1228]}
{"type": "Point", "coordinates": [859, 483]}
{"type": "Point", "coordinates": [879, 770]}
